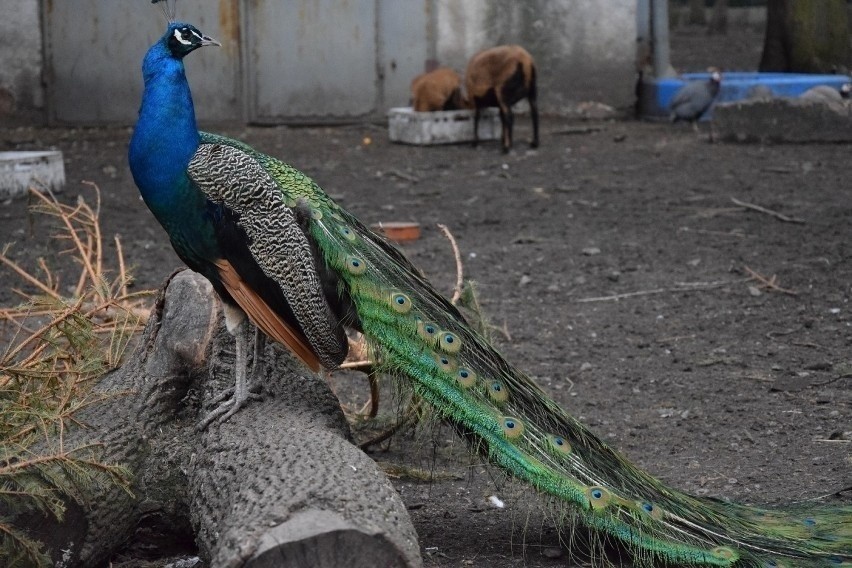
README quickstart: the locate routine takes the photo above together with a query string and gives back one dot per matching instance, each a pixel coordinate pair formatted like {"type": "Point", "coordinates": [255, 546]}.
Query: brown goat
{"type": "Point", "coordinates": [502, 76]}
{"type": "Point", "coordinates": [436, 90]}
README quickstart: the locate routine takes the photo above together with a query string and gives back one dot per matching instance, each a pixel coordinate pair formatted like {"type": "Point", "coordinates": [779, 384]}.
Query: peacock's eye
{"type": "Point", "coordinates": [185, 34]}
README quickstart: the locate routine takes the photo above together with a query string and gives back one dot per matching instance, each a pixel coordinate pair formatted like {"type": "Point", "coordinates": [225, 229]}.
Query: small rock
{"type": "Point", "coordinates": [524, 280]}
{"type": "Point", "coordinates": [591, 251]}
{"type": "Point", "coordinates": [754, 291]}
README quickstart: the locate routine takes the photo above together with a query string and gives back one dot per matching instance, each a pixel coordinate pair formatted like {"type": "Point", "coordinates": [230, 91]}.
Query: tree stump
{"type": "Point", "coordinates": [806, 36]}
{"type": "Point", "coordinates": [278, 484]}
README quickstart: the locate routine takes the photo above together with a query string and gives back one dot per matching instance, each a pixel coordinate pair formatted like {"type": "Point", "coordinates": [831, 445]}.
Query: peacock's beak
{"type": "Point", "coordinates": [207, 40]}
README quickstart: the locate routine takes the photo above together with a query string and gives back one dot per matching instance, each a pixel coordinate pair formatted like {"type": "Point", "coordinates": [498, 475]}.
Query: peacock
{"type": "Point", "coordinates": [282, 254]}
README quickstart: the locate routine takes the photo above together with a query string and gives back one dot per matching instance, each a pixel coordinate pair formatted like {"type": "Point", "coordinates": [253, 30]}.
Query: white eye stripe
{"type": "Point", "coordinates": [180, 39]}
{"type": "Point", "coordinates": [178, 36]}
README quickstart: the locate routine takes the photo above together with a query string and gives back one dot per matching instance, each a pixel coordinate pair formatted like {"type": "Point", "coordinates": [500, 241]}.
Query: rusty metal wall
{"type": "Point", "coordinates": [406, 44]}
{"type": "Point", "coordinates": [94, 51]}
{"type": "Point", "coordinates": [311, 60]}
{"type": "Point", "coordinates": [281, 61]}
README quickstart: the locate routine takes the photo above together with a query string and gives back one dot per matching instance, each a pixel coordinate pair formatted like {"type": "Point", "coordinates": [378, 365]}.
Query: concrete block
{"type": "Point", "coordinates": [20, 170]}
{"type": "Point", "coordinates": [441, 127]}
{"type": "Point", "coordinates": [783, 120]}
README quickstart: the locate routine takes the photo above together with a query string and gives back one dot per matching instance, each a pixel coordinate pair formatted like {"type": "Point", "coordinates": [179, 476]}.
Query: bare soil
{"type": "Point", "coordinates": [623, 277]}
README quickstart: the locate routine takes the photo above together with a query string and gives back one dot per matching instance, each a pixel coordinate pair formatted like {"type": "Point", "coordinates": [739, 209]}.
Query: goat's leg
{"type": "Point", "coordinates": [476, 125]}
{"type": "Point", "coordinates": [534, 116]}
{"type": "Point", "coordinates": [506, 119]}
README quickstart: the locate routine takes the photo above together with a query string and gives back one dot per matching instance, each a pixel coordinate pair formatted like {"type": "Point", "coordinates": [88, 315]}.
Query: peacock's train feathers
{"type": "Point", "coordinates": [417, 334]}
{"type": "Point", "coordinates": [274, 243]}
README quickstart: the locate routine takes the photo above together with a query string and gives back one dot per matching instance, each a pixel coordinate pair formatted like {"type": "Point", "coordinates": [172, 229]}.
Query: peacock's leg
{"type": "Point", "coordinates": [233, 399]}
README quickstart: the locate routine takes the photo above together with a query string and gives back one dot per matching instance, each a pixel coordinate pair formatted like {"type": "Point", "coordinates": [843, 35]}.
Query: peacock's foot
{"type": "Point", "coordinates": [233, 399]}
{"type": "Point", "coordinates": [227, 404]}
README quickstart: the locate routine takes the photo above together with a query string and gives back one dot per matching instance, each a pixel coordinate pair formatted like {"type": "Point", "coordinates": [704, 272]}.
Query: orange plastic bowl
{"type": "Point", "coordinates": [398, 231]}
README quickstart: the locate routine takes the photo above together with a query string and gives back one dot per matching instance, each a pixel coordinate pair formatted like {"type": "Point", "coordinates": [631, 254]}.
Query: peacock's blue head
{"type": "Point", "coordinates": [182, 39]}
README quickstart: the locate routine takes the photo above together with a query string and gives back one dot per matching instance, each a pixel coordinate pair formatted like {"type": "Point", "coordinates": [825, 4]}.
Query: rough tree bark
{"type": "Point", "coordinates": [278, 484]}
{"type": "Point", "coordinates": [697, 13]}
{"type": "Point", "coordinates": [806, 36]}
{"type": "Point", "coordinates": [719, 20]}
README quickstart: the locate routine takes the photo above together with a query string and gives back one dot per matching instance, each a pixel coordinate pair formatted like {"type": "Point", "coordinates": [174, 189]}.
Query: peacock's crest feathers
{"type": "Point", "coordinates": [416, 333]}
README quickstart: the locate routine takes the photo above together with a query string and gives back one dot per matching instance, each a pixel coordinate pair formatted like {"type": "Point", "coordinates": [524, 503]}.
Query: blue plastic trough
{"type": "Point", "coordinates": [656, 94]}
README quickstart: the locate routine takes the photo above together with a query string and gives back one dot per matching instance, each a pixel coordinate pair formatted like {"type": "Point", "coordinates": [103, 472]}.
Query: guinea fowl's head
{"type": "Point", "coordinates": [182, 39]}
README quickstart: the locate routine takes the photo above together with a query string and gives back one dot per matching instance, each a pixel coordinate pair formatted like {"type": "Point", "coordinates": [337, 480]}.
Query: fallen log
{"type": "Point", "coordinates": [279, 484]}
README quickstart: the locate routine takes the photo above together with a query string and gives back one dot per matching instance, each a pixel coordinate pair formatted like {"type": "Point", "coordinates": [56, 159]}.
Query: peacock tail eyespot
{"type": "Point", "coordinates": [449, 342]}
{"type": "Point", "coordinates": [497, 391]}
{"type": "Point", "coordinates": [355, 265]}
{"type": "Point", "coordinates": [512, 428]}
{"type": "Point", "coordinates": [650, 509]}
{"type": "Point", "coordinates": [400, 303]}
{"type": "Point", "coordinates": [559, 445]}
{"type": "Point", "coordinates": [446, 364]}
{"type": "Point", "coordinates": [725, 553]}
{"type": "Point", "coordinates": [316, 214]}
{"type": "Point", "coordinates": [347, 233]}
{"type": "Point", "coordinates": [599, 498]}
{"type": "Point", "coordinates": [465, 377]}
{"type": "Point", "coordinates": [428, 331]}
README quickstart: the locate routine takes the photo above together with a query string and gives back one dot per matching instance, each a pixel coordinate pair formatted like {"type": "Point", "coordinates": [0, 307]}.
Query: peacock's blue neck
{"type": "Point", "coordinates": [166, 135]}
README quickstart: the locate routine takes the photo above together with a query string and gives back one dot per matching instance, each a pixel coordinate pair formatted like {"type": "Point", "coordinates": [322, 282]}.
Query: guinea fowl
{"type": "Point", "coordinates": [280, 250]}
{"type": "Point", "coordinates": [692, 100]}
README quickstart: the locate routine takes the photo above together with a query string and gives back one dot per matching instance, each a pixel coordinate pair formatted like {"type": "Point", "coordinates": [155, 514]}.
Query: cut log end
{"type": "Point", "coordinates": [324, 539]}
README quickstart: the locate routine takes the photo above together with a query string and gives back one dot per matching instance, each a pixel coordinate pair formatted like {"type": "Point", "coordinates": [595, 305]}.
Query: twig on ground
{"type": "Point", "coordinates": [770, 283]}
{"type": "Point", "coordinates": [734, 233]}
{"type": "Point", "coordinates": [776, 214]}
{"type": "Point", "coordinates": [403, 175]}
{"type": "Point", "coordinates": [577, 130]}
{"type": "Point", "coordinates": [457, 290]}
{"type": "Point", "coordinates": [504, 329]}
{"type": "Point", "coordinates": [412, 414]}
{"type": "Point", "coordinates": [681, 287]}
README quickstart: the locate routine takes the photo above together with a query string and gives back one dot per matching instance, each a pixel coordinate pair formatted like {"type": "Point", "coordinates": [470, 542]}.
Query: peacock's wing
{"type": "Point", "coordinates": [268, 264]}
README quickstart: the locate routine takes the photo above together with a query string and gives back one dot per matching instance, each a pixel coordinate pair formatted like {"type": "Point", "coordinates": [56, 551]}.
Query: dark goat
{"type": "Point", "coordinates": [502, 76]}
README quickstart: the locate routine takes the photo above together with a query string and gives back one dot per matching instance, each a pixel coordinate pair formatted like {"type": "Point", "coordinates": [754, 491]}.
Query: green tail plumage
{"type": "Point", "coordinates": [419, 336]}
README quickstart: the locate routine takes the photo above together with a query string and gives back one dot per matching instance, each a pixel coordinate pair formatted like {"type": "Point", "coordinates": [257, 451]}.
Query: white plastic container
{"type": "Point", "coordinates": [440, 127]}
{"type": "Point", "coordinates": [20, 170]}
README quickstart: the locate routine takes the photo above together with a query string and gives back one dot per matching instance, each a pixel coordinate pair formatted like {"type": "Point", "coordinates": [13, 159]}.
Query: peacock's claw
{"type": "Point", "coordinates": [232, 399]}
{"type": "Point", "coordinates": [228, 403]}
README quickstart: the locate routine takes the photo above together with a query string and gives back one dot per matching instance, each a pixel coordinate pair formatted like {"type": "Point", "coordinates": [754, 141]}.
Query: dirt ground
{"type": "Point", "coordinates": [624, 277]}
